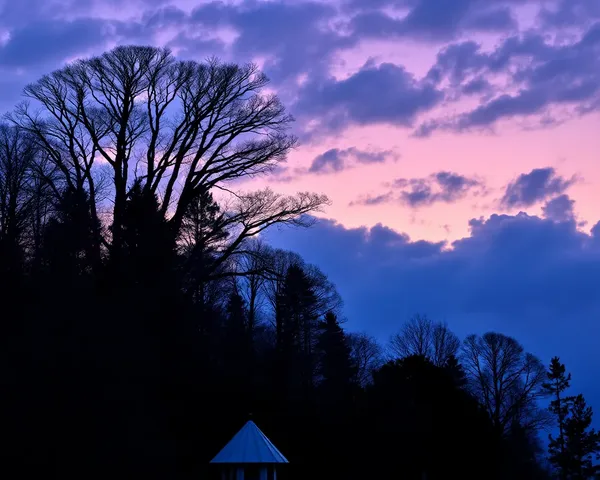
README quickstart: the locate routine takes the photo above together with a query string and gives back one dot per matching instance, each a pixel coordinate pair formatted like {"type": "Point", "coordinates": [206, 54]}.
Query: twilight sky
{"type": "Point", "coordinates": [459, 141]}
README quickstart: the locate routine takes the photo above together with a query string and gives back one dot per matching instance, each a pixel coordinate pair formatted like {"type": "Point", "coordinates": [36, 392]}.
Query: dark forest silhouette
{"type": "Point", "coordinates": [144, 319]}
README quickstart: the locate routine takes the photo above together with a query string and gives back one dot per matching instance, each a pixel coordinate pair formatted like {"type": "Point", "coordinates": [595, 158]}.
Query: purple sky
{"type": "Point", "coordinates": [459, 141]}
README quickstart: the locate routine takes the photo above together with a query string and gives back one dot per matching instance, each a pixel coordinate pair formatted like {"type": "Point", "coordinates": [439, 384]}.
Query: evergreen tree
{"type": "Point", "coordinates": [236, 336]}
{"type": "Point", "coordinates": [203, 230]}
{"type": "Point", "coordinates": [236, 346]}
{"type": "Point", "coordinates": [582, 443]}
{"type": "Point", "coordinates": [558, 382]}
{"type": "Point", "coordinates": [69, 245]}
{"type": "Point", "coordinates": [236, 316]}
{"type": "Point", "coordinates": [147, 244]}
{"type": "Point", "coordinates": [336, 369]}
{"type": "Point", "coordinates": [456, 371]}
{"type": "Point", "coordinates": [295, 324]}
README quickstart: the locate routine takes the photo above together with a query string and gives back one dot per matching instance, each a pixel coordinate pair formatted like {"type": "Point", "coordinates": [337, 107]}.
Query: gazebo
{"type": "Point", "coordinates": [249, 455]}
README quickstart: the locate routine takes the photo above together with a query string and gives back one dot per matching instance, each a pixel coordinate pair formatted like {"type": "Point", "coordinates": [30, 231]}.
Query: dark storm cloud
{"type": "Point", "coordinates": [533, 187]}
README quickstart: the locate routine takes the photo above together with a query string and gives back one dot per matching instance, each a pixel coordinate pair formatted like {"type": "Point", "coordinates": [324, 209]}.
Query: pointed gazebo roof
{"type": "Point", "coordinates": [249, 445]}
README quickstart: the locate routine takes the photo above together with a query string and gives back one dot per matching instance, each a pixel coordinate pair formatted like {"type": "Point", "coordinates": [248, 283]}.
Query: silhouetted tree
{"type": "Point", "coordinates": [237, 351]}
{"type": "Point", "coordinates": [336, 369]}
{"type": "Point", "coordinates": [148, 247]}
{"type": "Point", "coordinates": [506, 380]}
{"type": "Point", "coordinates": [296, 326]}
{"type": "Point", "coordinates": [17, 156]}
{"type": "Point", "coordinates": [456, 371]}
{"type": "Point", "coordinates": [277, 264]}
{"type": "Point", "coordinates": [189, 128]}
{"type": "Point", "coordinates": [582, 443]}
{"type": "Point", "coordinates": [416, 410]}
{"type": "Point", "coordinates": [202, 235]}
{"type": "Point", "coordinates": [69, 244]}
{"type": "Point", "coordinates": [366, 355]}
{"type": "Point", "coordinates": [521, 455]}
{"type": "Point", "coordinates": [558, 381]}
{"type": "Point", "coordinates": [253, 270]}
{"type": "Point", "coordinates": [150, 317]}
{"type": "Point", "coordinates": [422, 336]}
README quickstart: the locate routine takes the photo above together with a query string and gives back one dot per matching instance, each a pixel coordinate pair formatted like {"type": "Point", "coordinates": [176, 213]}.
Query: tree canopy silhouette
{"type": "Point", "coordinates": [177, 129]}
{"type": "Point", "coordinates": [145, 317]}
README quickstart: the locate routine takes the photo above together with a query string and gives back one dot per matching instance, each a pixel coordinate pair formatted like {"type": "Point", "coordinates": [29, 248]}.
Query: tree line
{"type": "Point", "coordinates": [145, 318]}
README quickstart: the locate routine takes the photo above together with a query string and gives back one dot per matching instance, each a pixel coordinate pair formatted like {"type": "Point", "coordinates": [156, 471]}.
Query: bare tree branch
{"type": "Point", "coordinates": [507, 380]}
{"type": "Point", "coordinates": [367, 356]}
{"type": "Point", "coordinates": [422, 336]}
{"type": "Point", "coordinates": [182, 128]}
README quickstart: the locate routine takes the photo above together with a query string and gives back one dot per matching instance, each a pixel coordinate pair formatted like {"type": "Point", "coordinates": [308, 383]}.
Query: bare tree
{"type": "Point", "coordinates": [327, 296]}
{"type": "Point", "coordinates": [253, 270]}
{"type": "Point", "coordinates": [181, 128]}
{"type": "Point", "coordinates": [506, 380]}
{"type": "Point", "coordinates": [279, 261]}
{"type": "Point", "coordinates": [17, 162]}
{"type": "Point", "coordinates": [414, 338]}
{"type": "Point", "coordinates": [422, 336]}
{"type": "Point", "coordinates": [366, 355]}
{"type": "Point", "coordinates": [444, 344]}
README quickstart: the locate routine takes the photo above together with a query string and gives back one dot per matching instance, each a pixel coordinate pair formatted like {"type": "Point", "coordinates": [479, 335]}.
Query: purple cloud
{"type": "Point", "coordinates": [500, 19]}
{"type": "Point", "coordinates": [50, 42]}
{"type": "Point", "coordinates": [521, 275]}
{"type": "Point", "coordinates": [373, 200]}
{"type": "Point", "coordinates": [568, 13]}
{"type": "Point", "coordinates": [559, 209]}
{"type": "Point", "coordinates": [552, 74]}
{"type": "Point", "coordinates": [476, 86]}
{"type": "Point", "coordinates": [375, 94]}
{"type": "Point", "coordinates": [533, 187]}
{"type": "Point", "coordinates": [444, 187]}
{"type": "Point", "coordinates": [432, 20]}
{"type": "Point", "coordinates": [336, 160]}
{"type": "Point", "coordinates": [539, 264]}
{"type": "Point", "coordinates": [440, 187]}
{"type": "Point", "coordinates": [293, 36]}
{"type": "Point", "coordinates": [302, 39]}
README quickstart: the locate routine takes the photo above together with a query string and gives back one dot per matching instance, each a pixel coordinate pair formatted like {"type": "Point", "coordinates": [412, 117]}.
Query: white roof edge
{"type": "Point", "coordinates": [249, 445]}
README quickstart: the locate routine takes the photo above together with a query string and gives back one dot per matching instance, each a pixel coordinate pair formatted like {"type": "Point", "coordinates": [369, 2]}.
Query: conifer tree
{"type": "Point", "coordinates": [456, 371]}
{"type": "Point", "coordinates": [582, 443]}
{"type": "Point", "coordinates": [295, 328]}
{"type": "Point", "coordinates": [558, 382]}
{"type": "Point", "coordinates": [336, 368]}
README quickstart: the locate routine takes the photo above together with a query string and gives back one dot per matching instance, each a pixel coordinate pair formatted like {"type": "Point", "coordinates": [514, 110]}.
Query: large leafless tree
{"type": "Point", "coordinates": [23, 198]}
{"type": "Point", "coordinates": [366, 354]}
{"type": "Point", "coordinates": [422, 336]}
{"type": "Point", "coordinates": [506, 380]}
{"type": "Point", "coordinates": [181, 128]}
